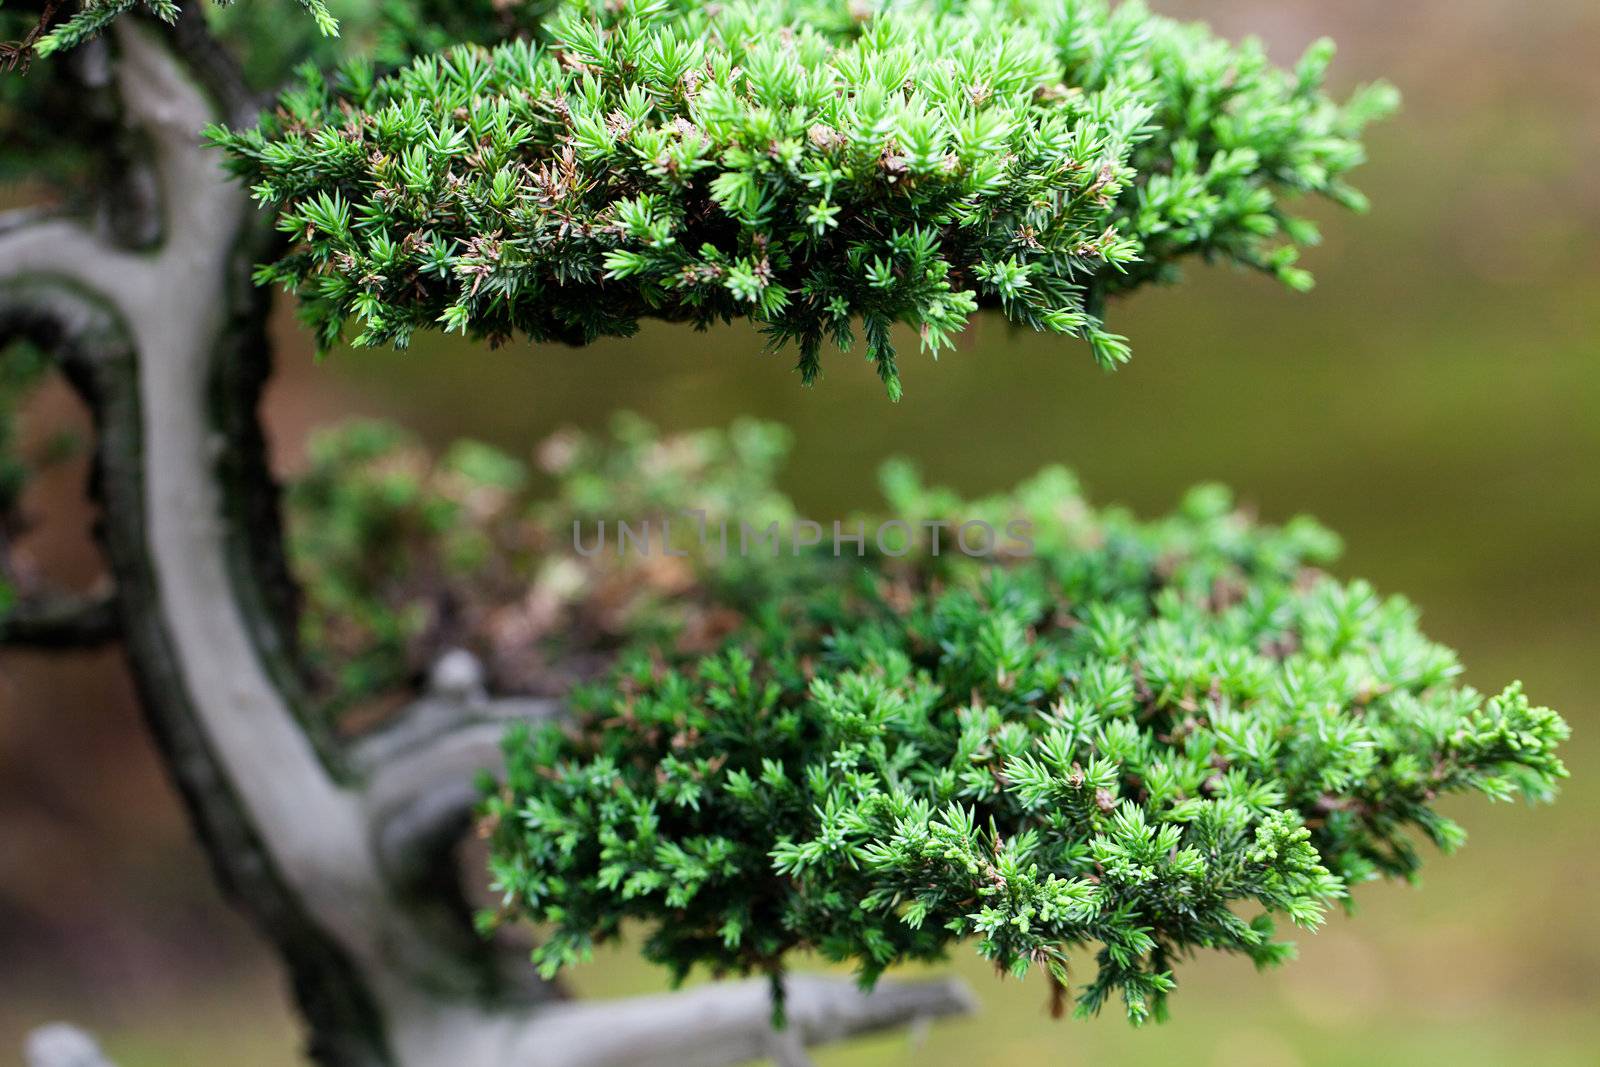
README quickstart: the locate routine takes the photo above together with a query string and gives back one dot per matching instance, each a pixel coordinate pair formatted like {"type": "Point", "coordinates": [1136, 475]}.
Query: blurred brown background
{"type": "Point", "coordinates": [1436, 400]}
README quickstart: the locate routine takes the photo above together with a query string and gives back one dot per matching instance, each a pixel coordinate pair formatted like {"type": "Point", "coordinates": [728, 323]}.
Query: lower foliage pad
{"type": "Point", "coordinates": [1149, 738]}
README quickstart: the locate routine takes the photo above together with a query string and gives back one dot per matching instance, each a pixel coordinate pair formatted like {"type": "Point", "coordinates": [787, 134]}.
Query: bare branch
{"type": "Point", "coordinates": [34, 245]}
{"type": "Point", "coordinates": [456, 702]}
{"type": "Point", "coordinates": [18, 55]}
{"type": "Point", "coordinates": [723, 1023]}
{"type": "Point", "coordinates": [18, 217]}
{"type": "Point", "coordinates": [422, 771]}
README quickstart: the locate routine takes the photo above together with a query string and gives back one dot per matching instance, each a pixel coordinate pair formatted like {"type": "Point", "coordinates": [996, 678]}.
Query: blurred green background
{"type": "Point", "coordinates": [1436, 400]}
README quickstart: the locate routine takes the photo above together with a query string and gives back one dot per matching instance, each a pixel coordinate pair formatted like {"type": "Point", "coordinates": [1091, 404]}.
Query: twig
{"type": "Point", "coordinates": [15, 54]}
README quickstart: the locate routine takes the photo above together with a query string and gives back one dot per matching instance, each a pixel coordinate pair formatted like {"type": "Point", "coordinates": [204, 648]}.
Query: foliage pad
{"type": "Point", "coordinates": [799, 163]}
{"type": "Point", "coordinates": [1150, 738]}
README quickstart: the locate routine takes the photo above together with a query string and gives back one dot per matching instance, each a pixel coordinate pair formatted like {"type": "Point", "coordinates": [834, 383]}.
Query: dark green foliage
{"type": "Point", "coordinates": [1149, 738]}
{"type": "Point", "coordinates": [799, 164]}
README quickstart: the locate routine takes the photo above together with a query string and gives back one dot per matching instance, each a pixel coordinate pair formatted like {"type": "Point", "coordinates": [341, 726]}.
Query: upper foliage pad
{"type": "Point", "coordinates": [797, 163]}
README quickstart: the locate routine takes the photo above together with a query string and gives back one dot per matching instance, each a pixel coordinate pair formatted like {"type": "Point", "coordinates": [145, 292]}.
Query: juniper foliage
{"type": "Point", "coordinates": [804, 164]}
{"type": "Point", "coordinates": [1147, 739]}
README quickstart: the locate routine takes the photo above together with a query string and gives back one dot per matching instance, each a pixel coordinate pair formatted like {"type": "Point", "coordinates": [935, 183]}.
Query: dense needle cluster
{"type": "Point", "coordinates": [814, 166]}
{"type": "Point", "coordinates": [1148, 739]}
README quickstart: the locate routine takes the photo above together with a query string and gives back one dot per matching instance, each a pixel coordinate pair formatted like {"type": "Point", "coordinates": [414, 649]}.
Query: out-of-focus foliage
{"type": "Point", "coordinates": [402, 554]}
{"type": "Point", "coordinates": [804, 163]}
{"type": "Point", "coordinates": [410, 28]}
{"type": "Point", "coordinates": [22, 367]}
{"type": "Point", "coordinates": [91, 17]}
{"type": "Point", "coordinates": [52, 128]}
{"type": "Point", "coordinates": [391, 30]}
{"type": "Point", "coordinates": [1148, 738]}
{"type": "Point", "coordinates": [270, 42]}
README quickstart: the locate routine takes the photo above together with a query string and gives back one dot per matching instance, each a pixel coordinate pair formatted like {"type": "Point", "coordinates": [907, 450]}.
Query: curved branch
{"type": "Point", "coordinates": [421, 768]}
{"type": "Point", "coordinates": [17, 218]}
{"type": "Point", "coordinates": [57, 314]}
{"type": "Point", "coordinates": [456, 703]}
{"type": "Point", "coordinates": [44, 245]}
{"type": "Point", "coordinates": [212, 63]}
{"type": "Point", "coordinates": [96, 352]}
{"type": "Point", "coordinates": [422, 786]}
{"type": "Point", "coordinates": [139, 334]}
{"type": "Point", "coordinates": [63, 320]}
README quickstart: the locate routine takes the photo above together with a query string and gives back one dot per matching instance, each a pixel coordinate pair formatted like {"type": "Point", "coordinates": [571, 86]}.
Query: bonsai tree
{"type": "Point", "coordinates": [1142, 739]}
